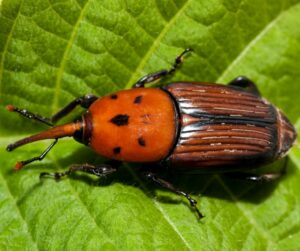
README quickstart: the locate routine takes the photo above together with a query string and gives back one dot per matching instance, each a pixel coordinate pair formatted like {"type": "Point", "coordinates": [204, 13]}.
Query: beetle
{"type": "Point", "coordinates": [185, 126]}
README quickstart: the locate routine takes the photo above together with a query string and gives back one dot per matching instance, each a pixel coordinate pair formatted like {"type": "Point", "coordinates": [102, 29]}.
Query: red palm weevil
{"type": "Point", "coordinates": [186, 126]}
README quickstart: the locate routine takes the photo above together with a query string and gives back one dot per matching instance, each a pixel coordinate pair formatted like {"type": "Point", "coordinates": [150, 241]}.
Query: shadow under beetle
{"type": "Point", "coordinates": [185, 126]}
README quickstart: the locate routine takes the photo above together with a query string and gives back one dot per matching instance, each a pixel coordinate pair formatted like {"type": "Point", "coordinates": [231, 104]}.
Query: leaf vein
{"type": "Point", "coordinates": [107, 49]}
{"type": "Point", "coordinates": [265, 234]}
{"type": "Point", "coordinates": [4, 182]}
{"type": "Point", "coordinates": [154, 45]}
{"type": "Point", "coordinates": [159, 208]}
{"type": "Point", "coordinates": [8, 40]}
{"type": "Point", "coordinates": [75, 193]}
{"type": "Point", "coordinates": [249, 46]}
{"type": "Point", "coordinates": [64, 57]}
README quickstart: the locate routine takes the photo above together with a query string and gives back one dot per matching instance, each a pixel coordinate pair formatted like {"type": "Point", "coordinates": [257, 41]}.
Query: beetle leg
{"type": "Point", "coordinates": [162, 73]}
{"type": "Point", "coordinates": [257, 178]}
{"type": "Point", "coordinates": [20, 164]}
{"type": "Point", "coordinates": [167, 185]}
{"type": "Point", "coordinates": [246, 83]}
{"type": "Point", "coordinates": [99, 170]}
{"type": "Point", "coordinates": [84, 101]}
{"type": "Point", "coordinates": [260, 178]}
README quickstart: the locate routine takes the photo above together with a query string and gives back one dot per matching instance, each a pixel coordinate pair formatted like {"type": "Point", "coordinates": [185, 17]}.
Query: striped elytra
{"type": "Point", "coordinates": [226, 125]}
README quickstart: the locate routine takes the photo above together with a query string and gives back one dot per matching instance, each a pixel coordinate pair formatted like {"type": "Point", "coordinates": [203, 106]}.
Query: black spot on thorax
{"type": "Point", "coordinates": [120, 119]}
{"type": "Point", "coordinates": [117, 150]}
{"type": "Point", "coordinates": [141, 141]}
{"type": "Point", "coordinates": [114, 96]}
{"type": "Point", "coordinates": [138, 99]}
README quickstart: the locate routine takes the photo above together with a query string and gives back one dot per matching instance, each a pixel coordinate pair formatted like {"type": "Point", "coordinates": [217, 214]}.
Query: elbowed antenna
{"type": "Point", "coordinates": [66, 130]}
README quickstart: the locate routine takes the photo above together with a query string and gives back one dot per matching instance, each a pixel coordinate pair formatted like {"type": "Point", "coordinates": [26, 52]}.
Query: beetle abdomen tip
{"type": "Point", "coordinates": [287, 134]}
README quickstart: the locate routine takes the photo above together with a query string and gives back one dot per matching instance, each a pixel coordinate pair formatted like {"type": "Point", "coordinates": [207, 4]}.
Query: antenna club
{"type": "Point", "coordinates": [10, 108]}
{"type": "Point", "coordinates": [18, 166]}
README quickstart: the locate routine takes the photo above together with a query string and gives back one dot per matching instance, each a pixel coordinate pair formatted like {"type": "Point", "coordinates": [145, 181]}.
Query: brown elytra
{"type": "Point", "coordinates": [226, 125]}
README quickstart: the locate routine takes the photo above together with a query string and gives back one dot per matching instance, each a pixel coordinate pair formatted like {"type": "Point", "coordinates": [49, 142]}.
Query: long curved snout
{"type": "Point", "coordinates": [66, 130]}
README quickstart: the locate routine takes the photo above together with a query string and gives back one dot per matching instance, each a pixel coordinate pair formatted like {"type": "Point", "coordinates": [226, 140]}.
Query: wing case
{"type": "Point", "coordinates": [222, 125]}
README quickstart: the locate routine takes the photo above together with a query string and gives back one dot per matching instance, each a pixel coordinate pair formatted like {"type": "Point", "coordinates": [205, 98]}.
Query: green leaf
{"type": "Point", "coordinates": [53, 51]}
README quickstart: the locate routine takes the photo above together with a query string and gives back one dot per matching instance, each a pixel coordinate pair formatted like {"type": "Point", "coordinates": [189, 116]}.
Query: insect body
{"type": "Point", "coordinates": [186, 126]}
